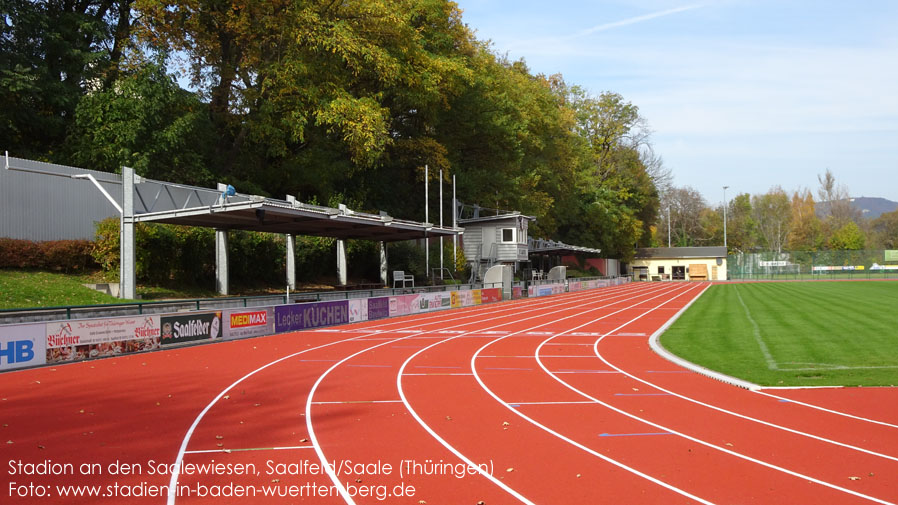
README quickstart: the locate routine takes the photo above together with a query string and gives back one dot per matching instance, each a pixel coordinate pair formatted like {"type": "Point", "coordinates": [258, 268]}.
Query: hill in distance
{"type": "Point", "coordinates": [869, 207]}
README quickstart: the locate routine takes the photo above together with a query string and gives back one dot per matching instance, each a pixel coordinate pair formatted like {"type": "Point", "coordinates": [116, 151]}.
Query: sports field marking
{"type": "Point", "coordinates": [569, 440]}
{"type": "Point", "coordinates": [455, 451]}
{"type": "Point", "coordinates": [756, 331]}
{"type": "Point", "coordinates": [183, 447]}
{"type": "Point", "coordinates": [702, 442]}
{"type": "Point", "coordinates": [228, 451]}
{"type": "Point", "coordinates": [737, 414]}
{"type": "Point", "coordinates": [831, 411]}
{"type": "Point", "coordinates": [308, 411]}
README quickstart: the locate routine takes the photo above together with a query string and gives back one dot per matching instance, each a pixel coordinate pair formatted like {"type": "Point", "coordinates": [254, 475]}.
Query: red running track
{"type": "Point", "coordinates": [555, 400]}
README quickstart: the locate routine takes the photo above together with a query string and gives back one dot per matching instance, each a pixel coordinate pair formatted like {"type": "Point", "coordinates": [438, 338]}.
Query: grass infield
{"type": "Point", "coordinates": [794, 333]}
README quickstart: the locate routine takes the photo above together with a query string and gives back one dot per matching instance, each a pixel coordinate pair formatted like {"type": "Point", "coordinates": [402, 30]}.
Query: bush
{"type": "Point", "coordinates": [59, 255]}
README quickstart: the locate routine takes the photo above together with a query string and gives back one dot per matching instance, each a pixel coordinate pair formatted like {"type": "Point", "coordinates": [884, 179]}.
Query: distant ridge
{"type": "Point", "coordinates": [869, 207]}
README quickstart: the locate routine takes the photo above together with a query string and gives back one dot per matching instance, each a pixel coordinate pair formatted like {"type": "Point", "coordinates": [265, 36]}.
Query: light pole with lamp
{"type": "Point", "coordinates": [725, 215]}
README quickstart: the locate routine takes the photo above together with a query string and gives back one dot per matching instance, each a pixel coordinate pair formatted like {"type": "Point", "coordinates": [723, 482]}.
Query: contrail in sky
{"type": "Point", "coordinates": [636, 19]}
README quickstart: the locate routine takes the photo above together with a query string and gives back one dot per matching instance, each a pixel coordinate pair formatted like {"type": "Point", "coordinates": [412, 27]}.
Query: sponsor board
{"type": "Point", "coordinates": [838, 268]}
{"type": "Point", "coordinates": [435, 301]}
{"type": "Point", "coordinates": [378, 308]}
{"type": "Point", "coordinates": [476, 296]}
{"type": "Point", "coordinates": [491, 295]}
{"type": "Point", "coordinates": [358, 310]}
{"type": "Point", "coordinates": [890, 255]}
{"type": "Point", "coordinates": [403, 305]}
{"type": "Point", "coordinates": [244, 323]}
{"type": "Point", "coordinates": [303, 316]}
{"type": "Point", "coordinates": [883, 267]}
{"type": "Point", "coordinates": [455, 299]}
{"type": "Point", "coordinates": [190, 327]}
{"type": "Point", "coordinates": [517, 292]}
{"type": "Point", "coordinates": [95, 338]}
{"type": "Point", "coordinates": [22, 345]}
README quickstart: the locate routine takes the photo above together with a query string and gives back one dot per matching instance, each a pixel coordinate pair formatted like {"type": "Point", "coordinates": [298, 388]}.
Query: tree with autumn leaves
{"type": "Point", "coordinates": [329, 101]}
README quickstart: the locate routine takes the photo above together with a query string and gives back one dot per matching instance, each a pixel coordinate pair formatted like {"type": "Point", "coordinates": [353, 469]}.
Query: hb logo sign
{"type": "Point", "coordinates": [17, 351]}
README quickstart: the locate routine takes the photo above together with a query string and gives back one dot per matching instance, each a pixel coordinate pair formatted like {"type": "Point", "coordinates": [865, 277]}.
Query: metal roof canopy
{"type": "Point", "coordinates": [681, 252]}
{"type": "Point", "coordinates": [553, 247]}
{"type": "Point", "coordinates": [164, 202]}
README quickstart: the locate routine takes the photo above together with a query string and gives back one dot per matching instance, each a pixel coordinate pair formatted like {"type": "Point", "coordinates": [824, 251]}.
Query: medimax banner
{"type": "Point", "coordinates": [303, 316]}
{"type": "Point", "coordinates": [244, 323]}
{"type": "Point", "coordinates": [97, 338]}
{"type": "Point", "coordinates": [22, 345]}
{"type": "Point", "coordinates": [190, 327]}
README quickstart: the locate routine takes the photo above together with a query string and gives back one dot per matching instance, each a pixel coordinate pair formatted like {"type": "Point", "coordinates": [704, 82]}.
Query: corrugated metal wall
{"type": "Point", "coordinates": [43, 207]}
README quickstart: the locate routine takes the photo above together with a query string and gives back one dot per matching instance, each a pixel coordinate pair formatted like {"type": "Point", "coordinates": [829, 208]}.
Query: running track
{"type": "Point", "coordinates": [554, 400]}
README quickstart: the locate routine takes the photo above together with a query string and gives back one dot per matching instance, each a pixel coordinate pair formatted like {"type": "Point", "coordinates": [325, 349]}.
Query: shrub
{"type": "Point", "coordinates": [59, 255]}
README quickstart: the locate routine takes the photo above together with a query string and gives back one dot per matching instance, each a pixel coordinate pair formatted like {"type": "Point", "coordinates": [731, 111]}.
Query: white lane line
{"type": "Point", "coordinates": [742, 416]}
{"type": "Point", "coordinates": [756, 332]}
{"type": "Point", "coordinates": [545, 428]}
{"type": "Point", "coordinates": [513, 309]}
{"type": "Point", "coordinates": [831, 411]}
{"type": "Point", "coordinates": [694, 439]}
{"type": "Point", "coordinates": [331, 472]}
{"type": "Point", "coordinates": [586, 449]}
{"type": "Point", "coordinates": [228, 451]}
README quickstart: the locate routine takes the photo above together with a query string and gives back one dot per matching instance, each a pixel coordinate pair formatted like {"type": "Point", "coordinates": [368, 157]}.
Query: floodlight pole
{"type": "Point", "coordinates": [668, 226]}
{"type": "Point", "coordinates": [426, 220]}
{"type": "Point", "coordinates": [441, 223]}
{"type": "Point", "coordinates": [725, 215]}
{"type": "Point", "coordinates": [454, 224]}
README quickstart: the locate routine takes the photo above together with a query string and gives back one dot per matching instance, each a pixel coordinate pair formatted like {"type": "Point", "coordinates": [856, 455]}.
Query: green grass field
{"type": "Point", "coordinates": [25, 289]}
{"type": "Point", "coordinates": [794, 333]}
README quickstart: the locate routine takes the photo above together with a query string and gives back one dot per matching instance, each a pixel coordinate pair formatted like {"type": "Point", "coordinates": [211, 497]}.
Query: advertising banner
{"type": "Point", "coordinates": [883, 267]}
{"type": "Point", "coordinates": [491, 295]}
{"type": "Point", "coordinates": [575, 286]}
{"type": "Point", "coordinates": [190, 327]}
{"type": "Point", "coordinates": [94, 338]}
{"type": "Point", "coordinates": [838, 268]}
{"type": "Point", "coordinates": [378, 308]}
{"type": "Point", "coordinates": [358, 310]}
{"type": "Point", "coordinates": [435, 301]}
{"type": "Point", "coordinates": [303, 316]}
{"type": "Point", "coordinates": [404, 305]}
{"type": "Point", "coordinates": [476, 296]}
{"type": "Point", "coordinates": [891, 255]}
{"type": "Point", "coordinates": [22, 345]}
{"type": "Point", "coordinates": [517, 292]}
{"type": "Point", "coordinates": [242, 323]}
{"type": "Point", "coordinates": [455, 299]}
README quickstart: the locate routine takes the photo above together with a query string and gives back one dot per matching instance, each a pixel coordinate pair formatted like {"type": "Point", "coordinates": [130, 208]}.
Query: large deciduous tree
{"type": "Point", "coordinates": [773, 214]}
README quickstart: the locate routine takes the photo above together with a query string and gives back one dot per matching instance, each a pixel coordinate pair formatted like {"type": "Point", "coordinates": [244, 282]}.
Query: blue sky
{"type": "Point", "coordinates": [743, 93]}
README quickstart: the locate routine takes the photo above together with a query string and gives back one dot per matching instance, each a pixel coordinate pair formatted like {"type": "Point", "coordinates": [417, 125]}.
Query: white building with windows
{"type": "Point", "coordinates": [494, 237]}
{"type": "Point", "coordinates": [680, 264]}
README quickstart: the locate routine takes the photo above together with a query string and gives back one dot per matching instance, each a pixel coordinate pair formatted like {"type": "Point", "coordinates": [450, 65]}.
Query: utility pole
{"type": "Point", "coordinates": [725, 215]}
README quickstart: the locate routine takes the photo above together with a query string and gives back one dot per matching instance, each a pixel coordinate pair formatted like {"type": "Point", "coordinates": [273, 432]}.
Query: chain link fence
{"type": "Point", "coordinates": [803, 265]}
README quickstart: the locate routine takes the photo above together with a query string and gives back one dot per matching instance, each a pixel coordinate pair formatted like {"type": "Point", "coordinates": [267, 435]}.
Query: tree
{"type": "Point", "coordinates": [51, 53]}
{"type": "Point", "coordinates": [145, 121]}
{"type": "Point", "coordinates": [741, 226]}
{"type": "Point", "coordinates": [686, 205]}
{"type": "Point", "coordinates": [885, 229]}
{"type": "Point", "coordinates": [848, 237]}
{"type": "Point", "coordinates": [836, 202]}
{"type": "Point", "coordinates": [772, 213]}
{"type": "Point", "coordinates": [806, 232]}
